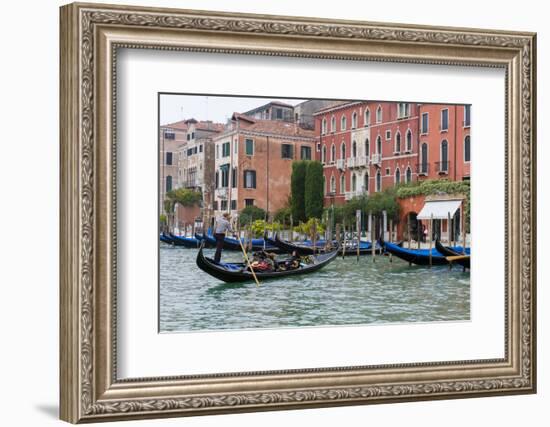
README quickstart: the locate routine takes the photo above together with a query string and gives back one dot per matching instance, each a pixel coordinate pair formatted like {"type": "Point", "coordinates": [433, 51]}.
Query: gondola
{"type": "Point", "coordinates": [188, 242]}
{"type": "Point", "coordinates": [232, 244]}
{"type": "Point", "coordinates": [415, 256]}
{"type": "Point", "coordinates": [237, 272]}
{"type": "Point", "coordinates": [365, 248]}
{"type": "Point", "coordinates": [164, 238]}
{"type": "Point", "coordinates": [456, 251]}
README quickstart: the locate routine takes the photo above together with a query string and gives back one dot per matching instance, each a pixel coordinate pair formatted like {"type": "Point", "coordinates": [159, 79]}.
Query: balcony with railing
{"type": "Point", "coordinates": [357, 193]}
{"type": "Point", "coordinates": [442, 167]}
{"type": "Point", "coordinates": [341, 163]}
{"type": "Point", "coordinates": [423, 169]}
{"type": "Point", "coordinates": [376, 159]}
{"type": "Point", "coordinates": [361, 161]}
{"type": "Point", "coordinates": [351, 162]}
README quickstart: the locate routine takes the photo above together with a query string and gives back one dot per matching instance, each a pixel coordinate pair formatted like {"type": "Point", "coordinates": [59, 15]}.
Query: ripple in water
{"type": "Point", "coordinates": [345, 292]}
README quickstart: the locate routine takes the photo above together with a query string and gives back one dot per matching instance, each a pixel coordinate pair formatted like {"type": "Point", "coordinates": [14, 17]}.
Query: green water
{"type": "Point", "coordinates": [345, 292]}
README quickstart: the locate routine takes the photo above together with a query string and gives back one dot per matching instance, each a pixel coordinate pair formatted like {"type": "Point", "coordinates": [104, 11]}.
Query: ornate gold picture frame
{"type": "Point", "coordinates": [90, 37]}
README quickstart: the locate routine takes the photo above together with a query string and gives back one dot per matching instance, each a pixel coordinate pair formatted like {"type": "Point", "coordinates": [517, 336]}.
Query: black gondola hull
{"type": "Point", "coordinates": [220, 272]}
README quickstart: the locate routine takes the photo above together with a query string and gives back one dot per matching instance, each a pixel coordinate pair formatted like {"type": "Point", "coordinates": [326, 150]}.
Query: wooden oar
{"type": "Point", "coordinates": [248, 262]}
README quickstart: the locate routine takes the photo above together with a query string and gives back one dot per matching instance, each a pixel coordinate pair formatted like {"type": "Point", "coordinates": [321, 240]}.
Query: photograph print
{"type": "Point", "coordinates": [287, 213]}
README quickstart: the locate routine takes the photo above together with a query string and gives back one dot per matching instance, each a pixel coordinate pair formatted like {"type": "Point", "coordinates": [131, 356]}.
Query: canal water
{"type": "Point", "coordinates": [345, 292]}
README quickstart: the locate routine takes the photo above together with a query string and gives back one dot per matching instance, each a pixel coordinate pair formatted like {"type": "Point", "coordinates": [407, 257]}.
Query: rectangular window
{"type": "Point", "coordinates": [169, 135]}
{"type": "Point", "coordinates": [216, 182]}
{"type": "Point", "coordinates": [225, 176]}
{"type": "Point", "coordinates": [388, 135]}
{"type": "Point", "coordinates": [248, 202]}
{"type": "Point", "coordinates": [249, 147]}
{"type": "Point", "coordinates": [188, 137]}
{"type": "Point", "coordinates": [305, 153]}
{"type": "Point", "coordinates": [403, 110]}
{"type": "Point", "coordinates": [234, 178]}
{"type": "Point", "coordinates": [287, 151]}
{"type": "Point", "coordinates": [318, 146]}
{"type": "Point", "coordinates": [467, 115]}
{"type": "Point", "coordinates": [169, 158]}
{"type": "Point", "coordinates": [444, 119]}
{"type": "Point", "coordinates": [215, 205]}
{"type": "Point", "coordinates": [279, 113]}
{"type": "Point", "coordinates": [200, 148]}
{"type": "Point", "coordinates": [224, 205]}
{"type": "Point", "coordinates": [233, 205]}
{"type": "Point", "coordinates": [226, 149]}
{"type": "Point", "coordinates": [424, 127]}
{"type": "Point", "coordinates": [388, 171]}
{"type": "Point", "coordinates": [189, 151]}
{"type": "Point", "coordinates": [249, 179]}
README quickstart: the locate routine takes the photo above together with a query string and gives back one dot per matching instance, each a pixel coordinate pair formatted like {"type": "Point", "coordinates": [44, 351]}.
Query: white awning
{"type": "Point", "coordinates": [440, 209]}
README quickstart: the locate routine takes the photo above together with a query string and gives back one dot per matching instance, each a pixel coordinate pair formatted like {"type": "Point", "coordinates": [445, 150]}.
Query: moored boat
{"type": "Point", "coordinates": [455, 255]}
{"type": "Point", "coordinates": [238, 272]}
{"type": "Point", "coordinates": [188, 242]}
{"type": "Point", "coordinates": [415, 256]}
{"type": "Point", "coordinates": [306, 248]}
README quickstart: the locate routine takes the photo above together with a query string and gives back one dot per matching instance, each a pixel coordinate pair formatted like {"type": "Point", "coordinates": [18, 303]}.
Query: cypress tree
{"type": "Point", "coordinates": [297, 188]}
{"type": "Point", "coordinates": [314, 190]}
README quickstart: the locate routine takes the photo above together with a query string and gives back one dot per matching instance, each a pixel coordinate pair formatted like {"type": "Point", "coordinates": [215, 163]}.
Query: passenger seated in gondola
{"type": "Point", "coordinates": [291, 263]}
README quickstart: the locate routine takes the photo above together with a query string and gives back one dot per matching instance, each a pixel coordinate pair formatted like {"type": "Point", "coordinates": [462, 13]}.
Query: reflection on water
{"type": "Point", "coordinates": [345, 292]}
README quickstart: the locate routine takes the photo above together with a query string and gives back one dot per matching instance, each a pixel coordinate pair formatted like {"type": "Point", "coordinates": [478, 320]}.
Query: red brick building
{"type": "Point", "coordinates": [368, 146]}
{"type": "Point", "coordinates": [253, 162]}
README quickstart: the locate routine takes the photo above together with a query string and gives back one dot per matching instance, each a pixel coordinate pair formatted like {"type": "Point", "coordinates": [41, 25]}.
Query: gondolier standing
{"type": "Point", "coordinates": [222, 225]}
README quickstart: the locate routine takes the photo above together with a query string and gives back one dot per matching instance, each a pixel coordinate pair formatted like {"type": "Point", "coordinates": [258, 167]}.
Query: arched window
{"type": "Point", "coordinates": [444, 156]}
{"type": "Point", "coordinates": [378, 145]}
{"type": "Point", "coordinates": [366, 183]}
{"type": "Point", "coordinates": [324, 154]}
{"type": "Point", "coordinates": [379, 114]}
{"type": "Point", "coordinates": [332, 184]}
{"type": "Point", "coordinates": [354, 149]}
{"type": "Point", "coordinates": [168, 183]}
{"type": "Point", "coordinates": [409, 143]}
{"type": "Point", "coordinates": [424, 159]}
{"type": "Point", "coordinates": [467, 148]}
{"type": "Point", "coordinates": [408, 175]}
{"type": "Point", "coordinates": [367, 117]}
{"type": "Point", "coordinates": [367, 147]}
{"type": "Point", "coordinates": [343, 150]}
{"type": "Point", "coordinates": [333, 124]}
{"type": "Point", "coordinates": [378, 182]}
{"type": "Point", "coordinates": [398, 142]}
{"type": "Point", "coordinates": [342, 184]}
{"type": "Point", "coordinates": [343, 123]}
{"type": "Point", "coordinates": [397, 176]}
{"type": "Point", "coordinates": [324, 126]}
{"type": "Point", "coordinates": [354, 120]}
{"type": "Point", "coordinates": [332, 153]}
{"type": "Point", "coordinates": [353, 183]}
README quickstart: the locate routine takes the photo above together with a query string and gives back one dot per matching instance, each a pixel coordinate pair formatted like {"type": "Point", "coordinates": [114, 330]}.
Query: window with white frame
{"type": "Point", "coordinates": [444, 119]}
{"type": "Point", "coordinates": [388, 135]}
{"type": "Point", "coordinates": [397, 146]}
{"type": "Point", "coordinates": [342, 184]}
{"type": "Point", "coordinates": [367, 117]}
{"type": "Point", "coordinates": [408, 175]}
{"type": "Point", "coordinates": [332, 184]}
{"type": "Point", "coordinates": [324, 126]}
{"type": "Point", "coordinates": [332, 153]}
{"type": "Point", "coordinates": [403, 110]}
{"type": "Point", "coordinates": [408, 143]}
{"type": "Point", "coordinates": [366, 183]}
{"type": "Point", "coordinates": [354, 120]}
{"type": "Point", "coordinates": [467, 148]}
{"type": "Point", "coordinates": [324, 154]}
{"type": "Point", "coordinates": [353, 183]}
{"type": "Point", "coordinates": [397, 176]}
{"type": "Point", "coordinates": [367, 147]}
{"type": "Point", "coordinates": [467, 115]}
{"type": "Point", "coordinates": [343, 150]}
{"type": "Point", "coordinates": [379, 114]}
{"type": "Point", "coordinates": [424, 123]}
{"type": "Point", "coordinates": [378, 182]}
{"type": "Point", "coordinates": [343, 123]}
{"type": "Point", "coordinates": [378, 145]}
{"type": "Point", "coordinates": [333, 124]}
{"type": "Point", "coordinates": [354, 149]}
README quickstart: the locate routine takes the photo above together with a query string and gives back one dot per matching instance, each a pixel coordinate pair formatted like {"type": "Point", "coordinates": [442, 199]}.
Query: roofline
{"type": "Point", "coordinates": [337, 107]}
